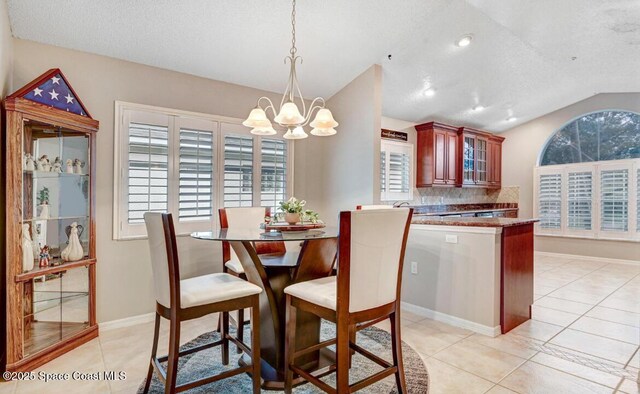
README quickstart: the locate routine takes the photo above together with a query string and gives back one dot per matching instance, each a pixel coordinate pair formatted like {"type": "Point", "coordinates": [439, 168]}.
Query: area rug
{"type": "Point", "coordinates": [378, 341]}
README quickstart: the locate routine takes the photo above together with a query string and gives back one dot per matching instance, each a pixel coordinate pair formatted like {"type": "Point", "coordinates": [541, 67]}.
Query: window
{"type": "Point", "coordinates": [191, 164]}
{"type": "Point", "coordinates": [396, 171]}
{"type": "Point", "coordinates": [588, 181]}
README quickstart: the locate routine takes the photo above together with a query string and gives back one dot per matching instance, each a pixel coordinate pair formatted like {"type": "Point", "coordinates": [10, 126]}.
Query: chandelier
{"type": "Point", "coordinates": [289, 115]}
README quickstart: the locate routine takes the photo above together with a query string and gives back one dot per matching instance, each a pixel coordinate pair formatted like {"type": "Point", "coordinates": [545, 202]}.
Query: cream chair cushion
{"type": "Point", "coordinates": [322, 292]}
{"type": "Point", "coordinates": [208, 289]}
{"type": "Point", "coordinates": [234, 264]}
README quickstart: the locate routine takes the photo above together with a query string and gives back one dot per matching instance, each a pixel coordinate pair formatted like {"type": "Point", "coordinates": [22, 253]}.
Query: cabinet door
{"type": "Point", "coordinates": [468, 159]}
{"type": "Point", "coordinates": [452, 158]}
{"type": "Point", "coordinates": [439, 156]}
{"type": "Point", "coordinates": [482, 162]}
{"type": "Point", "coordinates": [497, 164]}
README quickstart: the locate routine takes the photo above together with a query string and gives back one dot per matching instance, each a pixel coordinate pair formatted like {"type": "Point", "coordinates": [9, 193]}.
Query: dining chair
{"type": "Point", "coordinates": [368, 207]}
{"type": "Point", "coordinates": [179, 300]}
{"type": "Point", "coordinates": [244, 218]}
{"type": "Point", "coordinates": [365, 292]}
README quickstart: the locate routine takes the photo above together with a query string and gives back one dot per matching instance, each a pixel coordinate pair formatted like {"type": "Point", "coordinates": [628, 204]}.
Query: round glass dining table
{"type": "Point", "coordinates": [274, 272]}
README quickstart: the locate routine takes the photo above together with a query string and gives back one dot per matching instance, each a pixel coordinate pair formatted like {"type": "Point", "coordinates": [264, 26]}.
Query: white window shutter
{"type": "Point", "coordinates": [579, 200]}
{"type": "Point", "coordinates": [550, 201]}
{"type": "Point", "coordinates": [396, 171]}
{"type": "Point", "coordinates": [196, 160]}
{"type": "Point", "coordinates": [238, 171]}
{"type": "Point", "coordinates": [614, 200]}
{"type": "Point", "coordinates": [273, 173]}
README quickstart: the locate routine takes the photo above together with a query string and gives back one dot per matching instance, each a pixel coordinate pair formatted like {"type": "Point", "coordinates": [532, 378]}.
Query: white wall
{"type": "Point", "coordinates": [350, 164]}
{"type": "Point", "coordinates": [124, 284]}
{"type": "Point", "coordinates": [6, 51]}
{"type": "Point", "coordinates": [519, 156]}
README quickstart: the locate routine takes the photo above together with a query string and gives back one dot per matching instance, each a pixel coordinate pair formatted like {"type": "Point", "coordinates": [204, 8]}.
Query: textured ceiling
{"type": "Point", "coordinates": [527, 58]}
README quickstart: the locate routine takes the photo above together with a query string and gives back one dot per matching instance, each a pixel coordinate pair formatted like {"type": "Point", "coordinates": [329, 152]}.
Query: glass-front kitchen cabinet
{"type": "Point", "coordinates": [50, 271]}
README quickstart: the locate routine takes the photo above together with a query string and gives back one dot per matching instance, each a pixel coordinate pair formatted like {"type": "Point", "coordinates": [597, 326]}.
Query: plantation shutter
{"type": "Point", "coordinates": [238, 171]}
{"type": "Point", "coordinates": [396, 163]}
{"type": "Point", "coordinates": [579, 196]}
{"type": "Point", "coordinates": [147, 169]}
{"type": "Point", "coordinates": [550, 201]}
{"type": "Point", "coordinates": [273, 173]}
{"type": "Point", "coordinates": [195, 193]}
{"type": "Point", "coordinates": [614, 204]}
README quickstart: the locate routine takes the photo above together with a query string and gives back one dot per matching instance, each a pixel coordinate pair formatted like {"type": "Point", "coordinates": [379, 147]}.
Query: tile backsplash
{"type": "Point", "coordinates": [435, 195]}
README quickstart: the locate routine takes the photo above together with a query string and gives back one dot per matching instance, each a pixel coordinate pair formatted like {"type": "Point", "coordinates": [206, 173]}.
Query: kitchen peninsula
{"type": "Point", "coordinates": [474, 272]}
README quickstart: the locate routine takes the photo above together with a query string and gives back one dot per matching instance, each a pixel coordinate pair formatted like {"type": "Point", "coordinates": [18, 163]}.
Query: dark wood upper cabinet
{"type": "Point", "coordinates": [450, 156]}
{"type": "Point", "coordinates": [437, 155]}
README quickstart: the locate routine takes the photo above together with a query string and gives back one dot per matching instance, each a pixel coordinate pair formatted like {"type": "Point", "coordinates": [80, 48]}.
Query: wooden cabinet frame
{"type": "Point", "coordinates": [437, 155]}
{"type": "Point", "coordinates": [18, 110]}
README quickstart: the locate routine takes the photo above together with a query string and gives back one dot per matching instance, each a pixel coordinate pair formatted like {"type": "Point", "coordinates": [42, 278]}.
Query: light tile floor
{"type": "Point", "coordinates": [584, 338]}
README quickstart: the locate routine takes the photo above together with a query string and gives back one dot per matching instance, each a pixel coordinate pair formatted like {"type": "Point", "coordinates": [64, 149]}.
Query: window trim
{"type": "Point", "coordinates": [120, 155]}
{"type": "Point", "coordinates": [387, 195]}
{"type": "Point", "coordinates": [633, 233]}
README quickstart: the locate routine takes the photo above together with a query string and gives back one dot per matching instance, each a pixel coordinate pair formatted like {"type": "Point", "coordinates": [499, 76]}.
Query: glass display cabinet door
{"type": "Point", "coordinates": [56, 205]}
{"type": "Point", "coordinates": [468, 163]}
{"type": "Point", "coordinates": [481, 164]}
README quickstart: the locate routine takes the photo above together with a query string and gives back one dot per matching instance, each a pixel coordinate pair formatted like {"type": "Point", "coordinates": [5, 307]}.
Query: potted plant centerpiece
{"type": "Point", "coordinates": [293, 211]}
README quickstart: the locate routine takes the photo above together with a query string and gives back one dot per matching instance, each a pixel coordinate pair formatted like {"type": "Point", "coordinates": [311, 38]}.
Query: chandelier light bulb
{"type": "Point", "coordinates": [289, 115]}
{"type": "Point", "coordinates": [264, 131]}
{"type": "Point", "coordinates": [296, 133]}
{"type": "Point", "coordinates": [323, 132]}
{"type": "Point", "coordinates": [324, 120]}
{"type": "Point", "coordinates": [257, 118]}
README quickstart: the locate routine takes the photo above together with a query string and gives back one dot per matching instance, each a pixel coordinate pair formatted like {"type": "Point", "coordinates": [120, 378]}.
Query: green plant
{"type": "Point", "coordinates": [43, 196]}
{"type": "Point", "coordinates": [293, 205]}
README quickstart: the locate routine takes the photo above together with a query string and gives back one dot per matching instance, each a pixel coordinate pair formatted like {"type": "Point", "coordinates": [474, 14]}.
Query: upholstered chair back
{"type": "Point", "coordinates": [371, 255]}
{"type": "Point", "coordinates": [244, 218]}
{"type": "Point", "coordinates": [369, 207]}
{"type": "Point", "coordinates": [164, 258]}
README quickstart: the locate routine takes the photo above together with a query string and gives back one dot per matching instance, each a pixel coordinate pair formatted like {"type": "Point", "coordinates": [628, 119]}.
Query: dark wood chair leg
{"type": "Point", "coordinates": [352, 339]}
{"type": "Point", "coordinates": [154, 352]}
{"type": "Point", "coordinates": [255, 344]}
{"type": "Point", "coordinates": [240, 328]}
{"type": "Point", "coordinates": [289, 345]}
{"type": "Point", "coordinates": [396, 342]}
{"type": "Point", "coordinates": [224, 332]}
{"type": "Point", "coordinates": [342, 356]}
{"type": "Point", "coordinates": [174, 350]}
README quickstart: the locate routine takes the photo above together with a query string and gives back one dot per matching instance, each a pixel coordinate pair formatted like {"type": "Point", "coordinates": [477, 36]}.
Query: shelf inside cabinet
{"type": "Point", "coordinates": [57, 218]}
{"type": "Point", "coordinates": [40, 271]}
{"type": "Point", "coordinates": [50, 174]}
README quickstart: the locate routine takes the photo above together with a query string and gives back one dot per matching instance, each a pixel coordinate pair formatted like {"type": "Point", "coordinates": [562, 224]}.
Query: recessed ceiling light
{"type": "Point", "coordinates": [511, 119]}
{"type": "Point", "coordinates": [477, 108]}
{"type": "Point", "coordinates": [464, 40]}
{"type": "Point", "coordinates": [430, 92]}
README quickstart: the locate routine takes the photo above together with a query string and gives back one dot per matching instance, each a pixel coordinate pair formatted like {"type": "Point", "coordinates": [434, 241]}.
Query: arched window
{"type": "Point", "coordinates": [587, 183]}
{"type": "Point", "coordinates": [598, 136]}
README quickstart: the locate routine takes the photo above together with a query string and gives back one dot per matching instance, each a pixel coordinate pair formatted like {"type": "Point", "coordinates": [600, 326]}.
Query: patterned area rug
{"type": "Point", "coordinates": [378, 341]}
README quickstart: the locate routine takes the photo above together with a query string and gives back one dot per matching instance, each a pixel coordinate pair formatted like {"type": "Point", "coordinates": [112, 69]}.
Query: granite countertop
{"type": "Point", "coordinates": [465, 211]}
{"type": "Point", "coordinates": [471, 221]}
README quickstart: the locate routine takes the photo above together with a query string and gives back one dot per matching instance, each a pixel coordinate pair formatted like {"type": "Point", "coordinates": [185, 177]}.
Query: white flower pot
{"type": "Point", "coordinates": [292, 218]}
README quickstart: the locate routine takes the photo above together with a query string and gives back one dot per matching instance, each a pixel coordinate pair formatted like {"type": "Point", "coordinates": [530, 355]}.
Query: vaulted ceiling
{"type": "Point", "coordinates": [526, 59]}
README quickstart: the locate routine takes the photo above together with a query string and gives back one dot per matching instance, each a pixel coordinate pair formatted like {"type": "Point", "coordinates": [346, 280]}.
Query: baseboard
{"type": "Point", "coordinates": [587, 258]}
{"type": "Point", "coordinates": [452, 320]}
{"type": "Point", "coordinates": [127, 321]}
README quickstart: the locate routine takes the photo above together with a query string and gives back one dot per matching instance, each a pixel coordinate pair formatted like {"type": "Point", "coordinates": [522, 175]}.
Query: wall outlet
{"type": "Point", "coordinates": [414, 268]}
{"type": "Point", "coordinates": [452, 239]}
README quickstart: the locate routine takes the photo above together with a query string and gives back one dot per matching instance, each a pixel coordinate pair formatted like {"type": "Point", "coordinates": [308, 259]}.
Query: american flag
{"type": "Point", "coordinates": [55, 93]}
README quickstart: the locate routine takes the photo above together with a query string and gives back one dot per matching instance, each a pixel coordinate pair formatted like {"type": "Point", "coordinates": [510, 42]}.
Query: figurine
{"type": "Point", "coordinates": [69, 166]}
{"type": "Point", "coordinates": [30, 164]}
{"type": "Point", "coordinates": [27, 249]}
{"type": "Point", "coordinates": [44, 164]}
{"type": "Point", "coordinates": [43, 200]}
{"type": "Point", "coordinates": [73, 251]}
{"type": "Point", "coordinates": [77, 166]}
{"type": "Point", "coordinates": [44, 256]}
{"type": "Point", "coordinates": [57, 166]}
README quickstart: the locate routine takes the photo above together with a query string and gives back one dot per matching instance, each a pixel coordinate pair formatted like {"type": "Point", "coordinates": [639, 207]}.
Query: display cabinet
{"type": "Point", "coordinates": [50, 232]}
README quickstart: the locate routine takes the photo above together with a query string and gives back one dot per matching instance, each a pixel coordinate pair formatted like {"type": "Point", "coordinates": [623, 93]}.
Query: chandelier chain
{"type": "Point", "coordinates": [293, 30]}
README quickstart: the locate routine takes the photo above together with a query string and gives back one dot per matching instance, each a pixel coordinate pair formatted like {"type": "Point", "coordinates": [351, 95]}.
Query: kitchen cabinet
{"type": "Point", "coordinates": [481, 158]}
{"type": "Point", "coordinates": [437, 155]}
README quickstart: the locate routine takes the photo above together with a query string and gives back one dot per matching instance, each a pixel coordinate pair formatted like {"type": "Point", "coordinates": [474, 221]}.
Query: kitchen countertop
{"type": "Point", "coordinates": [471, 221]}
{"type": "Point", "coordinates": [464, 212]}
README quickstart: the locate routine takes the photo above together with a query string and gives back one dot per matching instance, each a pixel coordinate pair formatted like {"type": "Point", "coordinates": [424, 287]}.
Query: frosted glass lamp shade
{"type": "Point", "coordinates": [289, 115]}
{"type": "Point", "coordinates": [264, 131]}
{"type": "Point", "coordinates": [295, 134]}
{"type": "Point", "coordinates": [257, 118]}
{"type": "Point", "coordinates": [323, 132]}
{"type": "Point", "coordinates": [324, 120]}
